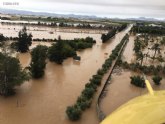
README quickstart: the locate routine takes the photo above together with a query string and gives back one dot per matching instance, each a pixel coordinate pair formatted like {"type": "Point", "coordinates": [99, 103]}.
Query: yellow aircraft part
{"type": "Point", "coordinates": [146, 109]}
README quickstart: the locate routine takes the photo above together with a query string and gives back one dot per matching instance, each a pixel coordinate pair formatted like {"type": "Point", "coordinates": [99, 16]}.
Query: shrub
{"type": "Point", "coordinates": [138, 81]}
{"type": "Point", "coordinates": [83, 102]}
{"type": "Point", "coordinates": [88, 93]}
{"type": "Point", "coordinates": [73, 112]}
{"type": "Point", "coordinates": [38, 61]}
{"type": "Point", "coordinates": [11, 74]}
{"type": "Point", "coordinates": [156, 79]}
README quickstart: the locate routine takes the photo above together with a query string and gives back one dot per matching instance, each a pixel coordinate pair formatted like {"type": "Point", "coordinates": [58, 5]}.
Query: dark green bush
{"type": "Point", "coordinates": [156, 79]}
{"type": "Point", "coordinates": [138, 81]}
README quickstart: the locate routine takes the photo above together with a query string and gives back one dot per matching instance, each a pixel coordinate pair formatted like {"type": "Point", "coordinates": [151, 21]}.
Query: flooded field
{"type": "Point", "coordinates": [51, 33]}
{"type": "Point", "coordinates": [128, 54]}
{"type": "Point", "coordinates": [44, 101]}
{"type": "Point", "coordinates": [121, 91]}
{"type": "Point", "coordinates": [130, 57]}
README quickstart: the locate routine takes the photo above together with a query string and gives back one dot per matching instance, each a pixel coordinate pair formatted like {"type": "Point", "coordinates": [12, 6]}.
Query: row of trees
{"type": "Point", "coordinates": [137, 67]}
{"type": "Point", "coordinates": [84, 100]}
{"type": "Point", "coordinates": [63, 24]}
{"type": "Point", "coordinates": [109, 35]}
{"type": "Point", "coordinates": [149, 29]}
{"type": "Point", "coordinates": [34, 39]}
{"type": "Point", "coordinates": [112, 33]}
{"type": "Point", "coordinates": [122, 27]}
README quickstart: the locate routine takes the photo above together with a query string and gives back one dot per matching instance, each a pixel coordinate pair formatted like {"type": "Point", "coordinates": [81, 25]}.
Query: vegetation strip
{"type": "Point", "coordinates": [112, 33]}
{"type": "Point", "coordinates": [85, 99]}
{"type": "Point", "coordinates": [121, 45]}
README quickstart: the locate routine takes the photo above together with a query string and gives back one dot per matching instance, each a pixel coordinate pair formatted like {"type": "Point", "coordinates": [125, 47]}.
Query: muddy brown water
{"type": "Point", "coordinates": [44, 32]}
{"type": "Point", "coordinates": [44, 101]}
{"type": "Point", "coordinates": [121, 91]}
{"type": "Point", "coordinates": [130, 57]}
{"type": "Point", "coordinates": [128, 54]}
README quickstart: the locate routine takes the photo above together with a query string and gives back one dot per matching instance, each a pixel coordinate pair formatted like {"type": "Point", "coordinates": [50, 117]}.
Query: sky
{"type": "Point", "coordinates": [101, 8]}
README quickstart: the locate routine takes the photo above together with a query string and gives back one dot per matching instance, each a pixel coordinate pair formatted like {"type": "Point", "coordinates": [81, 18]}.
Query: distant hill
{"type": "Point", "coordinates": [23, 12]}
{"type": "Point", "coordinates": [30, 13]}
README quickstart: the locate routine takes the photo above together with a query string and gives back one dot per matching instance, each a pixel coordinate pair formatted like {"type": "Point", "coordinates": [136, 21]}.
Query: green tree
{"type": "Point", "coordinates": [2, 38]}
{"type": "Point", "coordinates": [88, 92]}
{"type": "Point", "coordinates": [11, 74]}
{"type": "Point", "coordinates": [55, 53]}
{"type": "Point", "coordinates": [137, 45]}
{"type": "Point", "coordinates": [138, 81]}
{"type": "Point", "coordinates": [140, 57]}
{"type": "Point", "coordinates": [155, 47]}
{"type": "Point", "coordinates": [60, 51]}
{"type": "Point", "coordinates": [156, 79]}
{"type": "Point", "coordinates": [24, 40]}
{"type": "Point", "coordinates": [73, 113]}
{"type": "Point", "coordinates": [83, 102]}
{"type": "Point", "coordinates": [38, 61]}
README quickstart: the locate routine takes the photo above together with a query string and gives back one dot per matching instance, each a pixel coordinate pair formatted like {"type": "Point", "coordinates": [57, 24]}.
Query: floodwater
{"type": "Point", "coordinates": [121, 91]}
{"type": "Point", "coordinates": [128, 54]}
{"type": "Point", "coordinates": [50, 32]}
{"type": "Point", "coordinates": [130, 57]}
{"type": "Point", "coordinates": [44, 101]}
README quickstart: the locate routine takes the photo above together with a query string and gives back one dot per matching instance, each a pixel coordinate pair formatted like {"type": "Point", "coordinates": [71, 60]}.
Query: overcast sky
{"type": "Point", "coordinates": [102, 8]}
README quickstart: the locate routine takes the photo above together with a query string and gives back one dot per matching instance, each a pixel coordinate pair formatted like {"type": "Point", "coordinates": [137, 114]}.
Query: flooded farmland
{"type": "Point", "coordinates": [44, 101]}
{"type": "Point", "coordinates": [51, 33]}
{"type": "Point", "coordinates": [121, 91]}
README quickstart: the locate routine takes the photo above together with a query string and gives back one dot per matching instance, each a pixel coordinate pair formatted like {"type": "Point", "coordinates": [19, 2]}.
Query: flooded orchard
{"type": "Point", "coordinates": [44, 101]}
{"type": "Point", "coordinates": [120, 90]}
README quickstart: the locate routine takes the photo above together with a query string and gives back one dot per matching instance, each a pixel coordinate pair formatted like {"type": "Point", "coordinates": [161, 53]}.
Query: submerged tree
{"type": "Point", "coordinates": [155, 47]}
{"type": "Point", "coordinates": [73, 112]}
{"type": "Point", "coordinates": [156, 79]}
{"type": "Point", "coordinates": [60, 51]}
{"type": "Point", "coordinates": [137, 45]}
{"type": "Point", "coordinates": [2, 38]}
{"type": "Point", "coordinates": [140, 57]}
{"type": "Point", "coordinates": [138, 81]}
{"type": "Point", "coordinates": [24, 40]}
{"type": "Point", "coordinates": [11, 74]}
{"type": "Point", "coordinates": [38, 62]}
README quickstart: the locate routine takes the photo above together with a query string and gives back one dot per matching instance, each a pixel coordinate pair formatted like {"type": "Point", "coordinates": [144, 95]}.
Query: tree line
{"type": "Point", "coordinates": [109, 35]}
{"type": "Point", "coordinates": [84, 101]}
{"type": "Point", "coordinates": [64, 24]}
{"type": "Point", "coordinates": [149, 29]}
{"type": "Point", "coordinates": [112, 32]}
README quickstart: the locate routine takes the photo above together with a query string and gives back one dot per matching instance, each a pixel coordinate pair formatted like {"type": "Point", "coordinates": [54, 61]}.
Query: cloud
{"type": "Point", "coordinates": [118, 8]}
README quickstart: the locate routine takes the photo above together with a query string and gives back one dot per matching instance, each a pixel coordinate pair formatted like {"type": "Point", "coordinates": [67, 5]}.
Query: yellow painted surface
{"type": "Point", "coordinates": [150, 90]}
{"type": "Point", "coordinates": [146, 109]}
